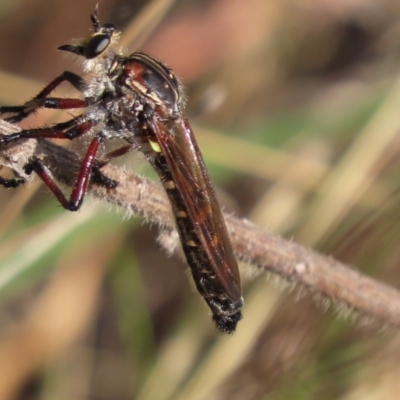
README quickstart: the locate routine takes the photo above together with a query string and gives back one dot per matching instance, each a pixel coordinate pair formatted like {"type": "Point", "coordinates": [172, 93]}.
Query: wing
{"type": "Point", "coordinates": [186, 164]}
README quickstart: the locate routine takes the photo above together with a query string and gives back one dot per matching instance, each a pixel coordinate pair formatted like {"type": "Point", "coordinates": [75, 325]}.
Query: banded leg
{"type": "Point", "coordinates": [104, 180]}
{"type": "Point", "coordinates": [42, 99]}
{"type": "Point", "coordinates": [65, 130]}
{"type": "Point", "coordinates": [81, 184]}
{"type": "Point", "coordinates": [119, 152]}
{"type": "Point", "coordinates": [11, 183]}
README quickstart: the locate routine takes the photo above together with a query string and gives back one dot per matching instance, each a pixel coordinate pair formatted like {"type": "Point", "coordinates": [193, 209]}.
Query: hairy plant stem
{"type": "Point", "coordinates": [260, 250]}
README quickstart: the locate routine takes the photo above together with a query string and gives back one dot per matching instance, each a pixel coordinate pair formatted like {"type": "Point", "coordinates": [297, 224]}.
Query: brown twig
{"type": "Point", "coordinates": [260, 250]}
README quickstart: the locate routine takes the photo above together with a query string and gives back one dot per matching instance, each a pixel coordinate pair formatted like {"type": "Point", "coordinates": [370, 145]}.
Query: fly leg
{"type": "Point", "coordinates": [102, 179]}
{"type": "Point", "coordinates": [42, 99]}
{"type": "Point", "coordinates": [74, 202]}
{"type": "Point", "coordinates": [66, 130]}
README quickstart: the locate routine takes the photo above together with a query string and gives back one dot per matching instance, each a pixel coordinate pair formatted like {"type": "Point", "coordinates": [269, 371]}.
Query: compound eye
{"type": "Point", "coordinates": [96, 45]}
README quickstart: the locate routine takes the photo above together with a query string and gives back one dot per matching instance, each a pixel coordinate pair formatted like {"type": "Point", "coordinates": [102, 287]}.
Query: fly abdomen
{"type": "Point", "coordinates": [226, 312]}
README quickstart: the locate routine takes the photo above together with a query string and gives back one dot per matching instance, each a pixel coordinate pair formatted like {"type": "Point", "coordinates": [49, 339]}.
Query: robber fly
{"type": "Point", "coordinates": [139, 100]}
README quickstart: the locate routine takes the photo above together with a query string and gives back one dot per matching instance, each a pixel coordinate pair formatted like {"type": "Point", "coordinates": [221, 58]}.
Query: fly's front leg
{"type": "Point", "coordinates": [42, 99]}
{"type": "Point", "coordinates": [11, 183]}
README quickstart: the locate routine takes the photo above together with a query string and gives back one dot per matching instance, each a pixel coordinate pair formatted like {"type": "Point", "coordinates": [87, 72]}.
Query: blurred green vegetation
{"type": "Point", "coordinates": [300, 132]}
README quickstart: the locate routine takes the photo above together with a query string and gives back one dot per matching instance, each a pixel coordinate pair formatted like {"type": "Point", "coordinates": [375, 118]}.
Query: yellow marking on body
{"type": "Point", "coordinates": [191, 243]}
{"type": "Point", "coordinates": [155, 146]}
{"type": "Point", "coordinates": [169, 185]}
{"type": "Point", "coordinates": [181, 214]}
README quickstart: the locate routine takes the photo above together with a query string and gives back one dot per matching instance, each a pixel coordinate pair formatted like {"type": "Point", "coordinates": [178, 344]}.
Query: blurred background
{"type": "Point", "coordinates": [295, 105]}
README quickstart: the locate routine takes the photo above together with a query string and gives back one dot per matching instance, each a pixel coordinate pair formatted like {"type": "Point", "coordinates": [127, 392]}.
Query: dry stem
{"type": "Point", "coordinates": [259, 249]}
